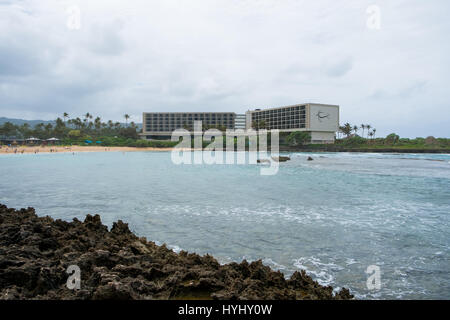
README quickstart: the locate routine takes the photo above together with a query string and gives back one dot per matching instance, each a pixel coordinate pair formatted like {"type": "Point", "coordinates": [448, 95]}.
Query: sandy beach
{"type": "Point", "coordinates": [62, 149]}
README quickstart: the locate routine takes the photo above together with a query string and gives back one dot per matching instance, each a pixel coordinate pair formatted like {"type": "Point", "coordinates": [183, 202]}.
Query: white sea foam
{"type": "Point", "coordinates": [352, 211]}
{"type": "Point", "coordinates": [274, 265]}
{"type": "Point", "coordinates": [175, 248]}
{"type": "Point", "coordinates": [320, 271]}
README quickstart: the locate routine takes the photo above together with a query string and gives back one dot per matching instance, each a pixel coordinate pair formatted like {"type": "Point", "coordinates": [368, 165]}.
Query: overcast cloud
{"type": "Point", "coordinates": [229, 55]}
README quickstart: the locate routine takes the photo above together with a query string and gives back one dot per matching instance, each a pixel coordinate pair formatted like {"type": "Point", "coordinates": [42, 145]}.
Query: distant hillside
{"type": "Point", "coordinates": [20, 122]}
{"type": "Point", "coordinates": [32, 123]}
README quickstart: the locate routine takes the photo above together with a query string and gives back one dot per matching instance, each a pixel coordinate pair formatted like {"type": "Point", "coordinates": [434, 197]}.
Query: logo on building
{"type": "Point", "coordinates": [322, 115]}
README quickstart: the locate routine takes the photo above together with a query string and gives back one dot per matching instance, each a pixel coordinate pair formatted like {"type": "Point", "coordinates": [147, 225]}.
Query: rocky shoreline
{"type": "Point", "coordinates": [35, 253]}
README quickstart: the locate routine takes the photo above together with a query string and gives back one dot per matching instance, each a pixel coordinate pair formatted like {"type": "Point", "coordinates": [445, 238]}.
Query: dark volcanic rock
{"type": "Point", "coordinates": [35, 253]}
{"type": "Point", "coordinates": [281, 159]}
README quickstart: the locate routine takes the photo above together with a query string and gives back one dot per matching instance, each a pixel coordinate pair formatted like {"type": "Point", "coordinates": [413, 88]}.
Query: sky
{"type": "Point", "coordinates": [385, 63]}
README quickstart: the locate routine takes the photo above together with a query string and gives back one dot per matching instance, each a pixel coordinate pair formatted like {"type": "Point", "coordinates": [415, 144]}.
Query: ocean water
{"type": "Point", "coordinates": [333, 216]}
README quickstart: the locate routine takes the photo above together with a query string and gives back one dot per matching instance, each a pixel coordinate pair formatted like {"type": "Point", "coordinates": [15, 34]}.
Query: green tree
{"type": "Point", "coordinates": [60, 128]}
{"type": "Point", "coordinates": [78, 123]}
{"type": "Point", "coordinates": [126, 116]}
{"type": "Point", "coordinates": [363, 126]}
{"type": "Point", "coordinates": [25, 130]}
{"type": "Point", "coordinates": [9, 129]}
{"type": "Point", "coordinates": [39, 131]}
{"type": "Point", "coordinates": [87, 116]}
{"type": "Point", "coordinates": [368, 127]}
{"type": "Point", "coordinates": [74, 134]}
{"type": "Point", "coordinates": [129, 133]}
{"type": "Point", "coordinates": [97, 123]}
{"type": "Point", "coordinates": [392, 139]}
{"type": "Point", "coordinates": [297, 138]}
{"type": "Point", "coordinates": [347, 129]}
{"type": "Point", "coordinates": [48, 130]}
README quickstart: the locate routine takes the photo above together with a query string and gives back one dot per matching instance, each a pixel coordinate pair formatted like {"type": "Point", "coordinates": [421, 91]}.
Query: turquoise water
{"type": "Point", "coordinates": [333, 216]}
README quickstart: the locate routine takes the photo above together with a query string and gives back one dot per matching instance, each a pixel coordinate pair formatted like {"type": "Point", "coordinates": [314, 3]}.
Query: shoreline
{"type": "Point", "coordinates": [36, 252]}
{"type": "Point", "coordinates": [72, 149]}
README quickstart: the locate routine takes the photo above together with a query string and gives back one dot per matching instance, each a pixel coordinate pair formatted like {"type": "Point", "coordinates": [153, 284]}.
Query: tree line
{"type": "Point", "coordinates": [72, 128]}
{"type": "Point", "coordinates": [347, 129]}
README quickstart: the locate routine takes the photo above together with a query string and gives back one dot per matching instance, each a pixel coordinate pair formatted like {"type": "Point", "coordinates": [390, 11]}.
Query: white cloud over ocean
{"type": "Point", "coordinates": [219, 55]}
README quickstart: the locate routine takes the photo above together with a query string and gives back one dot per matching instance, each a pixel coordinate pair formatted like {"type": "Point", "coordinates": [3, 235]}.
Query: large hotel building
{"type": "Point", "coordinates": [320, 120]}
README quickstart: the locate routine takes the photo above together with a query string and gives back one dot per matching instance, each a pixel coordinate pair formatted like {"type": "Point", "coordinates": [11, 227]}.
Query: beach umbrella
{"type": "Point", "coordinates": [98, 142]}
{"type": "Point", "coordinates": [53, 139]}
{"type": "Point", "coordinates": [88, 141]}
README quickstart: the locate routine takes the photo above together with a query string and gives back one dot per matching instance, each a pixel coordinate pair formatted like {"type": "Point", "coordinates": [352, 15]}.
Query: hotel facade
{"type": "Point", "coordinates": [320, 120]}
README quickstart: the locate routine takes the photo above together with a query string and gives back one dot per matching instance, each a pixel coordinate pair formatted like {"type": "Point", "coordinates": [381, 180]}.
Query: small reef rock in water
{"type": "Point", "coordinates": [281, 159]}
{"type": "Point", "coordinates": [36, 252]}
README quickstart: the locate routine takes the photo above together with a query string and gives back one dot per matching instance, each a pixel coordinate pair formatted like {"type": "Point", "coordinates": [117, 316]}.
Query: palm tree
{"type": "Point", "coordinates": [126, 119]}
{"type": "Point", "coordinates": [363, 126]}
{"type": "Point", "coordinates": [77, 122]}
{"type": "Point", "coordinates": [355, 129]}
{"type": "Point", "coordinates": [48, 130]}
{"type": "Point", "coordinates": [87, 116]}
{"type": "Point", "coordinates": [65, 115]}
{"type": "Point", "coordinates": [25, 129]}
{"type": "Point", "coordinates": [371, 134]}
{"type": "Point", "coordinates": [347, 129]}
{"type": "Point", "coordinates": [39, 130]}
{"type": "Point", "coordinates": [368, 127]}
{"type": "Point", "coordinates": [97, 123]}
{"type": "Point", "coordinates": [374, 131]}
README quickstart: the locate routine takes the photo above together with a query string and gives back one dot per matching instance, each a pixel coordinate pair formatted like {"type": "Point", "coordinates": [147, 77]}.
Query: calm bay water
{"type": "Point", "coordinates": [333, 216]}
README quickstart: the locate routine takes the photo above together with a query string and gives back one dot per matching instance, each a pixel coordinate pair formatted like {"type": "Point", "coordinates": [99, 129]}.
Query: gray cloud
{"type": "Point", "coordinates": [228, 55]}
{"type": "Point", "coordinates": [338, 68]}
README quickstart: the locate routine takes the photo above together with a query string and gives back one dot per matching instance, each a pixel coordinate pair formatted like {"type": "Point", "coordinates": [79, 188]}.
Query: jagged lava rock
{"type": "Point", "coordinates": [35, 253]}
